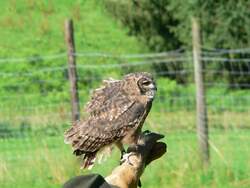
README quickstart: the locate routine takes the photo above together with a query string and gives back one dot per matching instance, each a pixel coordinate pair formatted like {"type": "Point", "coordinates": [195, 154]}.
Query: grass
{"type": "Point", "coordinates": [33, 28]}
{"type": "Point", "coordinates": [33, 115]}
{"type": "Point", "coordinates": [43, 161]}
{"type": "Point", "coordinates": [44, 33]}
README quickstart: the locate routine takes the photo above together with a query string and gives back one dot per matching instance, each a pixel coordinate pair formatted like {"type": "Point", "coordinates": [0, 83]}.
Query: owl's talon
{"type": "Point", "coordinates": [139, 183]}
{"type": "Point", "coordinates": [123, 152]}
{"type": "Point", "coordinates": [146, 132]}
{"type": "Point", "coordinates": [125, 158]}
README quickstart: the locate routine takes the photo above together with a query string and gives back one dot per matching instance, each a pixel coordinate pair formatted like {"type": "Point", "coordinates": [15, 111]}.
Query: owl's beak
{"type": "Point", "coordinates": [152, 90]}
{"type": "Point", "coordinates": [152, 87]}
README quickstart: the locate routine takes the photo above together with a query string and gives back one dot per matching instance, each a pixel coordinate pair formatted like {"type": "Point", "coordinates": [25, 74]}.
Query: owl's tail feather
{"type": "Point", "coordinates": [88, 160]}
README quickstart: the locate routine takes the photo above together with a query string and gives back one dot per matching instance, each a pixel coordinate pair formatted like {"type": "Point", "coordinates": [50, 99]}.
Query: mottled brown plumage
{"type": "Point", "coordinates": [117, 112]}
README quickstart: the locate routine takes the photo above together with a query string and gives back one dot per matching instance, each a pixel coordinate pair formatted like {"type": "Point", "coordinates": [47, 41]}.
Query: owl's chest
{"type": "Point", "coordinates": [134, 131]}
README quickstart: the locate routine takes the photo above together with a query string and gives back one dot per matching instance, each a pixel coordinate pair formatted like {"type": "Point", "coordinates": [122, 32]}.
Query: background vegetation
{"type": "Point", "coordinates": [34, 88]}
{"type": "Point", "coordinates": [165, 25]}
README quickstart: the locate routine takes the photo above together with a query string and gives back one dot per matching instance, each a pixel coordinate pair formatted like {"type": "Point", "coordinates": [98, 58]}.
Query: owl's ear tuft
{"type": "Point", "coordinates": [109, 81]}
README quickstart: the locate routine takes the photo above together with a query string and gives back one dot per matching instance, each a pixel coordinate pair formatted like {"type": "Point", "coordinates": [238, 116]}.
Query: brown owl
{"type": "Point", "coordinates": [117, 112]}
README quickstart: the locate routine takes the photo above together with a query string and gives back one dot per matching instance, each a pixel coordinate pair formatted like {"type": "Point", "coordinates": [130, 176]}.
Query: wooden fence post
{"type": "Point", "coordinates": [69, 39]}
{"type": "Point", "coordinates": [201, 111]}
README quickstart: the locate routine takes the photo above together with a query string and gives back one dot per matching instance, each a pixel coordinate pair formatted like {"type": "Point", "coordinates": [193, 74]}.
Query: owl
{"type": "Point", "coordinates": [116, 113]}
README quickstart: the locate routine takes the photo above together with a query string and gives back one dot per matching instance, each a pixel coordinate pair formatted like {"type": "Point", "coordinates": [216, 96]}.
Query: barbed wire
{"type": "Point", "coordinates": [211, 59]}
{"type": "Point", "coordinates": [121, 65]}
{"type": "Point", "coordinates": [221, 50]}
{"type": "Point", "coordinates": [226, 72]}
{"type": "Point", "coordinates": [168, 58]}
{"type": "Point", "coordinates": [226, 84]}
{"type": "Point", "coordinates": [38, 57]}
{"type": "Point", "coordinates": [135, 63]}
{"type": "Point", "coordinates": [176, 53]}
{"type": "Point", "coordinates": [218, 54]}
{"type": "Point", "coordinates": [35, 58]}
{"type": "Point", "coordinates": [91, 66]}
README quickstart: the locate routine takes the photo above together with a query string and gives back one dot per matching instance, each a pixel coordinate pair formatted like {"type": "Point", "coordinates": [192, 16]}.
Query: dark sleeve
{"type": "Point", "coordinates": [87, 181]}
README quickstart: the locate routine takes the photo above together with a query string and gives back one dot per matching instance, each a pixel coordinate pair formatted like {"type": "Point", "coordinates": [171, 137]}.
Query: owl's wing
{"type": "Point", "coordinates": [109, 101]}
{"type": "Point", "coordinates": [96, 132]}
{"type": "Point", "coordinates": [109, 89]}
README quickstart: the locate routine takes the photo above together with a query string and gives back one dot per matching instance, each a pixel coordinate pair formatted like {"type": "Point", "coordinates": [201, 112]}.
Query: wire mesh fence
{"type": "Point", "coordinates": [35, 89]}
{"type": "Point", "coordinates": [35, 101]}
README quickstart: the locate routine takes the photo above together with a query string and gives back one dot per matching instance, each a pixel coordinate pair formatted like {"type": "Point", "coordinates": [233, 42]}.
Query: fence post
{"type": "Point", "coordinates": [201, 111]}
{"type": "Point", "coordinates": [69, 39]}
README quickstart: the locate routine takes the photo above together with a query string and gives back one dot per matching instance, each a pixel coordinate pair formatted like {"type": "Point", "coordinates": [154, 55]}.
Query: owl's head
{"type": "Point", "coordinates": [144, 82]}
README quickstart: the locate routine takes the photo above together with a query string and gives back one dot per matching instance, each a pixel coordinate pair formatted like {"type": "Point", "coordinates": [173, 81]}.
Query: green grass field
{"type": "Point", "coordinates": [40, 161]}
{"type": "Point", "coordinates": [33, 154]}
{"type": "Point", "coordinates": [34, 115]}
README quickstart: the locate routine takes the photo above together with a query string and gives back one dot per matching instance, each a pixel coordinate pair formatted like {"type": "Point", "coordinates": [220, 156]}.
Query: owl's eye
{"type": "Point", "coordinates": [146, 82]}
